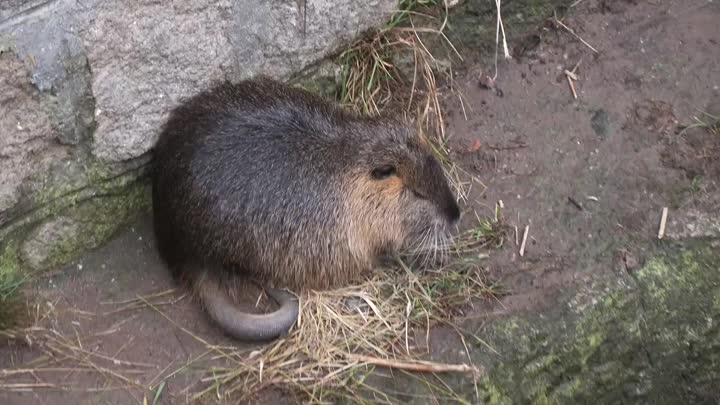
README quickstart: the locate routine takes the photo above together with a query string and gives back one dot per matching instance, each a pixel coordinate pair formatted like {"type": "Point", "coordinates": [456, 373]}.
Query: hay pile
{"type": "Point", "coordinates": [342, 334]}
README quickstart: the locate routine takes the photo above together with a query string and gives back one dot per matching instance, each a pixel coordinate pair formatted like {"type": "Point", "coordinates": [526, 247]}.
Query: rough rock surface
{"type": "Point", "coordinates": [145, 59]}
{"type": "Point", "coordinates": [26, 144]}
{"type": "Point", "coordinates": [39, 246]}
{"type": "Point", "coordinates": [147, 56]}
{"type": "Point", "coordinates": [278, 38]}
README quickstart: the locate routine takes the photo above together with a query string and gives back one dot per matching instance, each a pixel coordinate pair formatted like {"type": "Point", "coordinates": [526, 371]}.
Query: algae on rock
{"type": "Point", "coordinates": [75, 207]}
{"type": "Point", "coordinates": [652, 337]}
{"type": "Point", "coordinates": [83, 227]}
{"type": "Point", "coordinates": [10, 281]}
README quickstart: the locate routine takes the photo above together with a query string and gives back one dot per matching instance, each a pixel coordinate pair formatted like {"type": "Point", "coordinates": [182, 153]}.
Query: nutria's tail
{"type": "Point", "coordinates": [245, 326]}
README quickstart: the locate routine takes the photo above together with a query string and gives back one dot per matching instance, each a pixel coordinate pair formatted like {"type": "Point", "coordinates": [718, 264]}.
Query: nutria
{"type": "Point", "coordinates": [270, 182]}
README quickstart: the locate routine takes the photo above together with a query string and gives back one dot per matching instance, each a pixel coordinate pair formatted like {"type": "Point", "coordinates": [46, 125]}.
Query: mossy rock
{"type": "Point", "coordinates": [78, 198]}
{"type": "Point", "coordinates": [11, 279]}
{"type": "Point", "coordinates": [655, 339]}
{"type": "Point", "coordinates": [75, 207]}
{"type": "Point", "coordinates": [322, 79]}
{"type": "Point", "coordinates": [84, 226]}
{"type": "Point", "coordinates": [649, 338]}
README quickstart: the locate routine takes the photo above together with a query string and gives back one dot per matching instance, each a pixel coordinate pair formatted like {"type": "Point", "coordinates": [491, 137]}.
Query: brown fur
{"type": "Point", "coordinates": [261, 180]}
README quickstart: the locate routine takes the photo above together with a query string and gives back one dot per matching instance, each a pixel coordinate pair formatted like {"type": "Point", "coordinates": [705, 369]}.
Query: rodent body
{"type": "Point", "coordinates": [263, 180]}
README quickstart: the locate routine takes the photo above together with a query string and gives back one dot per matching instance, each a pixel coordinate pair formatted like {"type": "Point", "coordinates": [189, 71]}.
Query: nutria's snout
{"type": "Point", "coordinates": [454, 213]}
{"type": "Point", "coordinates": [451, 210]}
{"type": "Point", "coordinates": [431, 238]}
{"type": "Point", "coordinates": [443, 196]}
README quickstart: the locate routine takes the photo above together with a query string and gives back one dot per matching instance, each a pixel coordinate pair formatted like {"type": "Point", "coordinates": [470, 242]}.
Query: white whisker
{"type": "Point", "coordinates": [431, 247]}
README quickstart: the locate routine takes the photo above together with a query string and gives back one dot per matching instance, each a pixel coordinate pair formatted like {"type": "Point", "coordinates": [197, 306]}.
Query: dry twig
{"type": "Point", "coordinates": [663, 222]}
{"type": "Point", "coordinates": [524, 240]}
{"type": "Point", "coordinates": [570, 30]}
{"type": "Point", "coordinates": [420, 366]}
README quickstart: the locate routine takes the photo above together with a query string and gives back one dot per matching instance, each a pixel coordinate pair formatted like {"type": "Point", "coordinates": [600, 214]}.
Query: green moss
{"type": "Point", "coordinates": [51, 193]}
{"type": "Point", "coordinates": [9, 269]}
{"type": "Point", "coordinates": [325, 86]}
{"type": "Point", "coordinates": [78, 205]}
{"type": "Point", "coordinates": [631, 345]}
{"type": "Point", "coordinates": [11, 280]}
{"type": "Point", "coordinates": [540, 364]}
{"type": "Point", "coordinates": [95, 221]}
{"type": "Point", "coordinates": [493, 394]}
{"type": "Point", "coordinates": [650, 338]}
{"type": "Point", "coordinates": [69, 178]}
{"type": "Point", "coordinates": [100, 175]}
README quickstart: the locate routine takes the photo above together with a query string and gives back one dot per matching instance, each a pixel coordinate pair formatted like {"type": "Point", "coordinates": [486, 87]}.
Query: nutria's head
{"type": "Point", "coordinates": [399, 198]}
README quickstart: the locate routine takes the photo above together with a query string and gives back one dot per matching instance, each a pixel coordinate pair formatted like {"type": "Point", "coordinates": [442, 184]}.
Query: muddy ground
{"type": "Point", "coordinates": [590, 177]}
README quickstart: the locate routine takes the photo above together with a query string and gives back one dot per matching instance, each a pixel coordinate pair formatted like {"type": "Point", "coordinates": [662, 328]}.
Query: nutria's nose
{"type": "Point", "coordinates": [452, 211]}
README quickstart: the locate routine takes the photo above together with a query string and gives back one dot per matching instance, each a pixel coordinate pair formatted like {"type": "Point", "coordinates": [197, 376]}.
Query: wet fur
{"type": "Point", "coordinates": [271, 182]}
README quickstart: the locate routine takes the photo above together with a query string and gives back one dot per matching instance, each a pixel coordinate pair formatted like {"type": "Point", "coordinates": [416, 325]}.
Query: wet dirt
{"type": "Point", "coordinates": [588, 175]}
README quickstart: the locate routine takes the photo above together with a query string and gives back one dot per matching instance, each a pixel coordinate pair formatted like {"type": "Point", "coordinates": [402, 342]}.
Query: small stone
{"type": "Point", "coordinates": [600, 123]}
{"type": "Point", "coordinates": [631, 262]}
{"type": "Point", "coordinates": [354, 304]}
{"type": "Point", "coordinates": [27, 142]}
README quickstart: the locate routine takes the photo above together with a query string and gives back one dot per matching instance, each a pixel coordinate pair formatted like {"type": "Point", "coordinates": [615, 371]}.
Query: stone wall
{"type": "Point", "coordinates": [86, 85]}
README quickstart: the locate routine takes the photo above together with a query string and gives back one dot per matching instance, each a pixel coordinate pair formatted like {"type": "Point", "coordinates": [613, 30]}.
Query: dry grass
{"type": "Point", "coordinates": [707, 121]}
{"type": "Point", "coordinates": [70, 360]}
{"type": "Point", "coordinates": [380, 319]}
{"type": "Point", "coordinates": [12, 303]}
{"type": "Point", "coordinates": [383, 318]}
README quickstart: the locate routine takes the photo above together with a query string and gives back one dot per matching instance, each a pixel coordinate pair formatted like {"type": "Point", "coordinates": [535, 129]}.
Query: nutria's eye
{"type": "Point", "coordinates": [383, 172]}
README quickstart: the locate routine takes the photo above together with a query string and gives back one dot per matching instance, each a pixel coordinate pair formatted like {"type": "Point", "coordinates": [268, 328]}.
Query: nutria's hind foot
{"type": "Point", "coordinates": [245, 326]}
